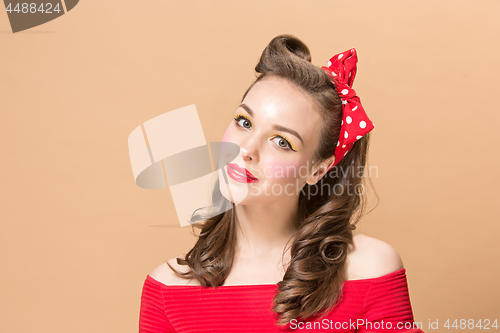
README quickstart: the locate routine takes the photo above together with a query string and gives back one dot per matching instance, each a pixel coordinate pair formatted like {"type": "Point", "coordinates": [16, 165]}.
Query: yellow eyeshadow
{"type": "Point", "coordinates": [287, 139]}
{"type": "Point", "coordinates": [242, 116]}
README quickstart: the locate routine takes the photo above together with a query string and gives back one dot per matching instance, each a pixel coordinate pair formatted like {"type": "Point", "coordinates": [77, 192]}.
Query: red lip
{"type": "Point", "coordinates": [249, 177]}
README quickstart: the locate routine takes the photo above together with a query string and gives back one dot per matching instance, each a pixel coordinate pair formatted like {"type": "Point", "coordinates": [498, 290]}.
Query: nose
{"type": "Point", "coordinates": [249, 150]}
{"type": "Point", "coordinates": [246, 155]}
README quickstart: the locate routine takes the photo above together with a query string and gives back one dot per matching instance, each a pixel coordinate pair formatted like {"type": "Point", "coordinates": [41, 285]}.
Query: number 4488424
{"type": "Point", "coordinates": [484, 324]}
{"type": "Point", "coordinates": [32, 8]}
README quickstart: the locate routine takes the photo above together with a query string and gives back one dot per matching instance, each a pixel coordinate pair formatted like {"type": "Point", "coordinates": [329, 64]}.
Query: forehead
{"type": "Point", "coordinates": [277, 101]}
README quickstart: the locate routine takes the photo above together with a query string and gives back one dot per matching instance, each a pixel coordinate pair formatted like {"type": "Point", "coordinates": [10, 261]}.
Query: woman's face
{"type": "Point", "coordinates": [277, 129]}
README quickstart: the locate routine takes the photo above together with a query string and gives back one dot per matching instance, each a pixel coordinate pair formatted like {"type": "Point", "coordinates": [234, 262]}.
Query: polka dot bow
{"type": "Point", "coordinates": [355, 122]}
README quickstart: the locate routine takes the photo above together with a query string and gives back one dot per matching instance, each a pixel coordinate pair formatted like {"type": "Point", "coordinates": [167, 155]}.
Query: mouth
{"type": "Point", "coordinates": [239, 174]}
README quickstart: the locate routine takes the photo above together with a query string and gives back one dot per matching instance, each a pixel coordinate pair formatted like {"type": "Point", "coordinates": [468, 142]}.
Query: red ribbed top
{"type": "Point", "coordinates": [379, 304]}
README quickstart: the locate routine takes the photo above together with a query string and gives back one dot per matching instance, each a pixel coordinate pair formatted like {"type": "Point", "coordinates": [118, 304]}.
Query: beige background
{"type": "Point", "coordinates": [78, 237]}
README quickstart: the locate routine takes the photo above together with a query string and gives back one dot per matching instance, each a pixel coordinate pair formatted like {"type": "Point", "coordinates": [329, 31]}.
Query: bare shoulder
{"type": "Point", "coordinates": [165, 275]}
{"type": "Point", "coordinates": [370, 258]}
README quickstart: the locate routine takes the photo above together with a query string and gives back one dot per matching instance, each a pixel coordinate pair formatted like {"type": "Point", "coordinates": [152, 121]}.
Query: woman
{"type": "Point", "coordinates": [284, 257]}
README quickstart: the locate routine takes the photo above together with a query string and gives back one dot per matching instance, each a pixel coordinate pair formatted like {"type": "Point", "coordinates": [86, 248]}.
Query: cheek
{"type": "Point", "coordinates": [281, 171]}
{"type": "Point", "coordinates": [227, 136]}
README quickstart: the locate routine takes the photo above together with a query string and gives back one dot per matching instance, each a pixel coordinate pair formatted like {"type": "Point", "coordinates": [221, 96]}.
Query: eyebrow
{"type": "Point", "coordinates": [275, 127]}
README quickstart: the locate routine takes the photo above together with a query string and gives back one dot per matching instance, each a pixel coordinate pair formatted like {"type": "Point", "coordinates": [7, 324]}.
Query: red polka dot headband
{"type": "Point", "coordinates": [355, 122]}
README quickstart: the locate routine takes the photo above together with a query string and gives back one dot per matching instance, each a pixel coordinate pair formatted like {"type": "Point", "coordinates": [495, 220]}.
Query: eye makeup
{"type": "Point", "coordinates": [289, 145]}
{"type": "Point", "coordinates": [286, 140]}
{"type": "Point", "coordinates": [239, 117]}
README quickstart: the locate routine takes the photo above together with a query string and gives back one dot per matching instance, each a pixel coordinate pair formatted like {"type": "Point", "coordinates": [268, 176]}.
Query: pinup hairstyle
{"type": "Point", "coordinates": [314, 277]}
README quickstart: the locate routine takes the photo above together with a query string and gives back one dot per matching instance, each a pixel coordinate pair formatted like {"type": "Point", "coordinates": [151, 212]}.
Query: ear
{"type": "Point", "coordinates": [318, 171]}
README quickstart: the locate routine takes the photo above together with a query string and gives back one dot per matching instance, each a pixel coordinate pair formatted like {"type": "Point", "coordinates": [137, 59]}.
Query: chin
{"type": "Point", "coordinates": [239, 191]}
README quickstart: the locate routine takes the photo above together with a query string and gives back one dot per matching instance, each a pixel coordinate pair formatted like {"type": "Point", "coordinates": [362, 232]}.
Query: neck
{"type": "Point", "coordinates": [263, 230]}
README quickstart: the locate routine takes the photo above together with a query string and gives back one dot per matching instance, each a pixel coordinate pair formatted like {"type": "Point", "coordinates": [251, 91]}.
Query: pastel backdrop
{"type": "Point", "coordinates": [78, 236]}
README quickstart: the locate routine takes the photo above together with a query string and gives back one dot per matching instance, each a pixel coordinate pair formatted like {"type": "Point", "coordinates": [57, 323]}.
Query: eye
{"type": "Point", "coordinates": [245, 122]}
{"type": "Point", "coordinates": [283, 143]}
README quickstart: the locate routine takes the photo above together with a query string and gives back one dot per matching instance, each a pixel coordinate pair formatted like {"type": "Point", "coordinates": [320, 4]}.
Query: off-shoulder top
{"type": "Point", "coordinates": [379, 304]}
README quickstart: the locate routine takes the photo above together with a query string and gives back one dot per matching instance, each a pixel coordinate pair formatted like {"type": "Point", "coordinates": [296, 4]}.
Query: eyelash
{"type": "Point", "coordinates": [290, 147]}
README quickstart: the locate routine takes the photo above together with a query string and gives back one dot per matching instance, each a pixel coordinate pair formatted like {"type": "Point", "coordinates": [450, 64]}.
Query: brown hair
{"type": "Point", "coordinates": [313, 280]}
